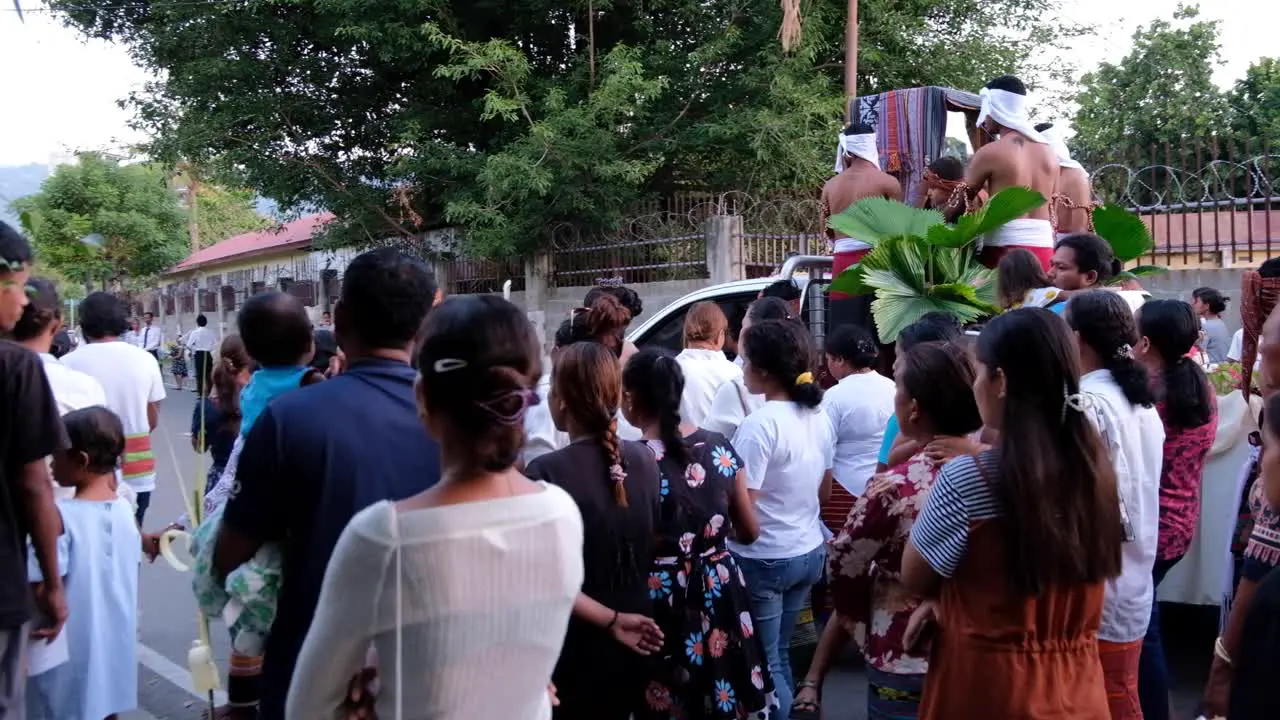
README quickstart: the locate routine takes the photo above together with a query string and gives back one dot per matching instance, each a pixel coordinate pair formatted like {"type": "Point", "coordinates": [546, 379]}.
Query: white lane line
{"type": "Point", "coordinates": [174, 673]}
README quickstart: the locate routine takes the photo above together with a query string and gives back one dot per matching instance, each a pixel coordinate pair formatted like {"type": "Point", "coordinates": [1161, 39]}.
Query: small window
{"type": "Point", "coordinates": [669, 333]}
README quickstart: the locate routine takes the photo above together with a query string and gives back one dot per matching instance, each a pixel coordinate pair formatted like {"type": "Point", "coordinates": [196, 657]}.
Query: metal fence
{"type": "Point", "coordinates": [484, 275]}
{"type": "Point", "coordinates": [1201, 201]}
{"type": "Point", "coordinates": [663, 245]}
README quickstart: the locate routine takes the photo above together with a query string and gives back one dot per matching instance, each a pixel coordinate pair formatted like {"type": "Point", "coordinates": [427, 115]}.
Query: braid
{"type": "Point", "coordinates": [613, 453]}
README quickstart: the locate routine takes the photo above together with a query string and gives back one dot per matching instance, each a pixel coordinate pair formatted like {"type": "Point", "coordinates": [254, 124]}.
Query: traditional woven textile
{"type": "Point", "coordinates": [911, 128]}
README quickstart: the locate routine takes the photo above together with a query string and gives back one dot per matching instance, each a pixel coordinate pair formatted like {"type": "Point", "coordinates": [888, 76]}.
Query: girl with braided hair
{"type": "Point", "coordinates": [711, 665]}
{"type": "Point", "coordinates": [787, 447]}
{"type": "Point", "coordinates": [615, 485]}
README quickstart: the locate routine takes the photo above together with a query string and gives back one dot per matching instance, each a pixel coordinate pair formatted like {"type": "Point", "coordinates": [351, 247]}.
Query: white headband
{"type": "Point", "coordinates": [862, 146]}
{"type": "Point", "coordinates": [1008, 110]}
{"type": "Point", "coordinates": [1054, 136]}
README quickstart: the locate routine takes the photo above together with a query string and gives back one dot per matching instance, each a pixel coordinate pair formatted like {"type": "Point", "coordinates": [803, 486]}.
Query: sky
{"type": "Point", "coordinates": [60, 91]}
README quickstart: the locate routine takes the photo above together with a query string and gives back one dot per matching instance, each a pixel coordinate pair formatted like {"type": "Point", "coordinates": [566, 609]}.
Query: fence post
{"type": "Point", "coordinates": [221, 312]}
{"type": "Point", "coordinates": [725, 261]}
{"type": "Point", "coordinates": [537, 292]}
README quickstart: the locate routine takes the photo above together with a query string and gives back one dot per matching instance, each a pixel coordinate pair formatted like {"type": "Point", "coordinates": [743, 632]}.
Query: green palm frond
{"type": "Point", "coordinates": [874, 219]}
{"type": "Point", "coordinates": [1002, 208]}
{"type": "Point", "coordinates": [1126, 233]}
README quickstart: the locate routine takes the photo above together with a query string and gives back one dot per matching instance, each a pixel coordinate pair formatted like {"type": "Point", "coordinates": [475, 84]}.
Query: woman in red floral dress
{"type": "Point", "coordinates": [934, 402]}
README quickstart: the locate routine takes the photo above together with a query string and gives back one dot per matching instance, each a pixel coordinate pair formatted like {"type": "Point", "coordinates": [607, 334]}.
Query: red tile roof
{"type": "Point", "coordinates": [296, 234]}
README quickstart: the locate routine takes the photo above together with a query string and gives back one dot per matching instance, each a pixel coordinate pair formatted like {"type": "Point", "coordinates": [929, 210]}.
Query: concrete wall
{"type": "Point", "coordinates": [1179, 284]}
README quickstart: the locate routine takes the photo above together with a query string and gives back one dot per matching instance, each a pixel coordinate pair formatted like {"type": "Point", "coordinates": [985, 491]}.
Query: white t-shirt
{"type": "Point", "coordinates": [1134, 438]}
{"type": "Point", "coordinates": [72, 389]}
{"type": "Point", "coordinates": [483, 599]}
{"type": "Point", "coordinates": [131, 379]}
{"type": "Point", "coordinates": [1236, 351]}
{"type": "Point", "coordinates": [786, 450]}
{"type": "Point", "coordinates": [704, 372]}
{"type": "Point", "coordinates": [731, 404]}
{"type": "Point", "coordinates": [202, 339]}
{"type": "Point", "coordinates": [859, 406]}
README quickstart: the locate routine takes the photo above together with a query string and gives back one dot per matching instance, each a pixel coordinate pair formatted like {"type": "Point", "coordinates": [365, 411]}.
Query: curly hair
{"type": "Point", "coordinates": [604, 322]}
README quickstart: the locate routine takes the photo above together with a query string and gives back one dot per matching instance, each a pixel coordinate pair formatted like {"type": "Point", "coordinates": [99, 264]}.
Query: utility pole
{"type": "Point", "coordinates": [851, 60]}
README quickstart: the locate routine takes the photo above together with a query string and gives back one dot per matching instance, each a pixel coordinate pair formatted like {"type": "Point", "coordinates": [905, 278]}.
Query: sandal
{"type": "Point", "coordinates": [806, 709]}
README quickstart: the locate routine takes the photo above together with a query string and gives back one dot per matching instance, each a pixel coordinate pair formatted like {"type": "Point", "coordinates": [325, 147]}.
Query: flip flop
{"type": "Point", "coordinates": [806, 709]}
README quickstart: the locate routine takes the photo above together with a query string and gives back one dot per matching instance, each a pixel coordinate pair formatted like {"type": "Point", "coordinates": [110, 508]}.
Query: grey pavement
{"type": "Point", "coordinates": [167, 625]}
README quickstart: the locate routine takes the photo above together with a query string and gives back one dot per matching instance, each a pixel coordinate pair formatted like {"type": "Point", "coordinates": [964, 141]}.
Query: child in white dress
{"type": "Point", "coordinates": [101, 548]}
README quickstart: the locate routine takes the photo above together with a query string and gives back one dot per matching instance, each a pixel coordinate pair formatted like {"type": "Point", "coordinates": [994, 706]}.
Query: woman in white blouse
{"type": "Point", "coordinates": [733, 401]}
{"type": "Point", "coordinates": [464, 590]}
{"type": "Point", "coordinates": [702, 361]}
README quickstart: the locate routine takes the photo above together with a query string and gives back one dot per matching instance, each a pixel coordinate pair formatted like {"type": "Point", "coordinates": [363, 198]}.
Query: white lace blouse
{"type": "Point", "coordinates": [481, 592]}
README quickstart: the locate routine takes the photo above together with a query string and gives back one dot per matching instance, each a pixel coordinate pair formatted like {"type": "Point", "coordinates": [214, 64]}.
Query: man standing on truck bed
{"type": "Point", "coordinates": [858, 176]}
{"type": "Point", "coordinates": [1020, 156]}
{"type": "Point", "coordinates": [1072, 199]}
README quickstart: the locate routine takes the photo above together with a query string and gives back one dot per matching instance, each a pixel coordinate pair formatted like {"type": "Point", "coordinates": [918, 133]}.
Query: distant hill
{"type": "Point", "coordinates": [19, 181]}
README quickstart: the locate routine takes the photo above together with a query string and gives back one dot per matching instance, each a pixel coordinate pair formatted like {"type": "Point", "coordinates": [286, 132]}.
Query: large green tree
{"type": "Point", "coordinates": [1255, 106]}
{"type": "Point", "coordinates": [1161, 92]}
{"type": "Point", "coordinates": [100, 222]}
{"type": "Point", "coordinates": [519, 120]}
{"type": "Point", "coordinates": [223, 212]}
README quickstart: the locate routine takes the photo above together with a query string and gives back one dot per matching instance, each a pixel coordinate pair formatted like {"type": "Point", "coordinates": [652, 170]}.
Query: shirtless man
{"type": "Point", "coordinates": [1019, 157]}
{"type": "Point", "coordinates": [1073, 197]}
{"type": "Point", "coordinates": [858, 176]}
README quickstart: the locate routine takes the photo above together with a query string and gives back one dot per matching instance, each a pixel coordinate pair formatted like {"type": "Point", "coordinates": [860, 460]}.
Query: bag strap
{"type": "Point", "coordinates": [742, 398]}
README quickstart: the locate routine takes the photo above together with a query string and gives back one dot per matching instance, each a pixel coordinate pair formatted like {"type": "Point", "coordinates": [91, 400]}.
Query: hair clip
{"type": "Point", "coordinates": [615, 281]}
{"type": "Point", "coordinates": [494, 405]}
{"type": "Point", "coordinates": [1125, 352]}
{"type": "Point", "coordinates": [447, 365]}
{"type": "Point", "coordinates": [1080, 402]}
{"type": "Point", "coordinates": [805, 378]}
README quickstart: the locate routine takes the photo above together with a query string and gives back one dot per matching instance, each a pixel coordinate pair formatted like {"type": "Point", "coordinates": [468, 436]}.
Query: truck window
{"type": "Point", "coordinates": [669, 333]}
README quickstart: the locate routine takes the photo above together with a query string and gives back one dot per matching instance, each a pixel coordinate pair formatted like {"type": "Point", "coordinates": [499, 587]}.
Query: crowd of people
{"type": "Point", "coordinates": [629, 533]}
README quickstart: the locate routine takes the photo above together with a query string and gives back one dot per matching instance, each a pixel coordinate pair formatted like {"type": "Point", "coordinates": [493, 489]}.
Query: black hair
{"type": "Point", "coordinates": [43, 309]}
{"type": "Point", "coordinates": [103, 315]}
{"type": "Point", "coordinates": [1008, 83]}
{"type": "Point", "coordinates": [1216, 301]}
{"type": "Point", "coordinates": [201, 320]}
{"type": "Point", "coordinates": [385, 296]}
{"type": "Point", "coordinates": [564, 334]}
{"type": "Point", "coordinates": [1105, 323]}
{"type": "Point", "coordinates": [148, 313]}
{"type": "Point", "coordinates": [627, 297]}
{"type": "Point", "coordinates": [854, 345]}
{"type": "Point", "coordinates": [98, 433]}
{"type": "Point", "coordinates": [859, 128]}
{"type": "Point", "coordinates": [1270, 268]}
{"type": "Point", "coordinates": [948, 167]}
{"type": "Point", "coordinates": [479, 362]}
{"type": "Point", "coordinates": [782, 289]}
{"type": "Point", "coordinates": [275, 329]}
{"type": "Point", "coordinates": [783, 350]}
{"type": "Point", "coordinates": [769, 308]}
{"type": "Point", "coordinates": [1092, 254]}
{"type": "Point", "coordinates": [14, 249]}
{"type": "Point", "coordinates": [1043, 126]}
{"type": "Point", "coordinates": [1173, 329]}
{"type": "Point", "coordinates": [1017, 273]}
{"type": "Point", "coordinates": [939, 378]}
{"type": "Point", "coordinates": [655, 382]}
{"type": "Point", "coordinates": [326, 346]}
{"type": "Point", "coordinates": [934, 326]}
{"type": "Point", "coordinates": [1053, 479]}
{"type": "Point", "coordinates": [62, 344]}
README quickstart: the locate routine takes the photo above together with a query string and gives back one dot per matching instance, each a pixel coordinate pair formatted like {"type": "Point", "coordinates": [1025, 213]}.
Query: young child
{"type": "Point", "coordinates": [277, 335]}
{"type": "Point", "coordinates": [101, 549]}
{"type": "Point", "coordinates": [1021, 280]}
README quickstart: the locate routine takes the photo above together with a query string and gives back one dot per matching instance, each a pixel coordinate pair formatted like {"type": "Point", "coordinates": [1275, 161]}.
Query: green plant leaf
{"type": "Point", "coordinates": [871, 220]}
{"type": "Point", "coordinates": [1124, 231]}
{"type": "Point", "coordinates": [1002, 208]}
{"type": "Point", "coordinates": [1147, 270]}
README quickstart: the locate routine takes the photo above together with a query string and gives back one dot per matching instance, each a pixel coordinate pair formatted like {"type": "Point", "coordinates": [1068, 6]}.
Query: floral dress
{"type": "Point", "coordinates": [712, 665]}
{"type": "Point", "coordinates": [864, 566]}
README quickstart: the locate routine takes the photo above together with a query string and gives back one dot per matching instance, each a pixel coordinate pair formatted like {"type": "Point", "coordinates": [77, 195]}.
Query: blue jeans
{"type": "Point", "coordinates": [1153, 670]}
{"type": "Point", "coordinates": [777, 590]}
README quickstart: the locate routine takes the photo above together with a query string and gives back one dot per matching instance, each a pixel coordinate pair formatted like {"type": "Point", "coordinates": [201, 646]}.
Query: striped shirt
{"type": "Point", "coordinates": [960, 497]}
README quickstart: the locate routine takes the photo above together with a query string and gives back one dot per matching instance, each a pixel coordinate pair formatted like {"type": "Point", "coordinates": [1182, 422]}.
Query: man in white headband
{"type": "Point", "coordinates": [1073, 197]}
{"type": "Point", "coordinates": [858, 176]}
{"type": "Point", "coordinates": [1020, 156]}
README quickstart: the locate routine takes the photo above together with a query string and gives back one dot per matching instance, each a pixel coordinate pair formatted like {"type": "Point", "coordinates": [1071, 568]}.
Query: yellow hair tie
{"type": "Point", "coordinates": [805, 378]}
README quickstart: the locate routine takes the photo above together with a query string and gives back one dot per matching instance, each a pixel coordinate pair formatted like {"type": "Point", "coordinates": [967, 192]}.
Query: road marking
{"type": "Point", "coordinates": [174, 673]}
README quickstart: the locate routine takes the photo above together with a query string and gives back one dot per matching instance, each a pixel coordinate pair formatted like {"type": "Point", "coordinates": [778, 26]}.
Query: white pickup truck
{"type": "Point", "coordinates": [811, 273]}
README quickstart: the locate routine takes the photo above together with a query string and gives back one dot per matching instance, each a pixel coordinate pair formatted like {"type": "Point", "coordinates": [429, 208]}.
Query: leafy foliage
{"type": "Point", "coordinates": [131, 207]}
{"type": "Point", "coordinates": [1255, 105]}
{"type": "Point", "coordinates": [514, 119]}
{"type": "Point", "coordinates": [225, 212]}
{"type": "Point", "coordinates": [918, 264]}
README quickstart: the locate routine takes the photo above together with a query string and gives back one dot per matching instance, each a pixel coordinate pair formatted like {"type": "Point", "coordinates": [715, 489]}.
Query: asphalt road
{"type": "Point", "coordinates": [167, 625]}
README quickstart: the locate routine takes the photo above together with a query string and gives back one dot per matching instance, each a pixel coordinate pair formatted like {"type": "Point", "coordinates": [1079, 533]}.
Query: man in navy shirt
{"type": "Point", "coordinates": [319, 455]}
